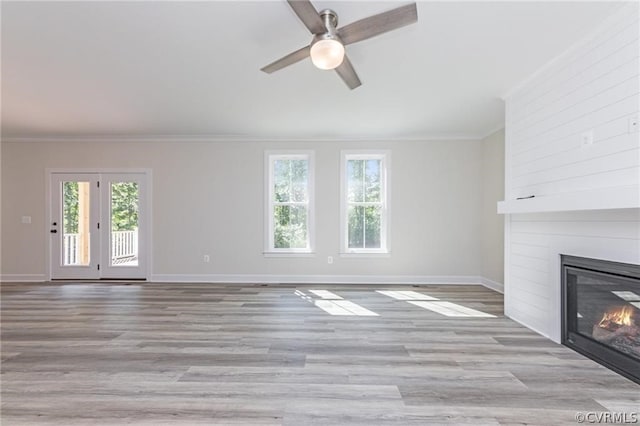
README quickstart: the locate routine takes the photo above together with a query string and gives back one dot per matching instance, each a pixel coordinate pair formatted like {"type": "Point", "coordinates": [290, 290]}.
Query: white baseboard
{"type": "Point", "coordinates": [313, 279]}
{"type": "Point", "coordinates": [23, 278]}
{"type": "Point", "coordinates": [493, 285]}
{"type": "Point", "coordinates": [298, 279]}
{"type": "Point", "coordinates": [530, 327]}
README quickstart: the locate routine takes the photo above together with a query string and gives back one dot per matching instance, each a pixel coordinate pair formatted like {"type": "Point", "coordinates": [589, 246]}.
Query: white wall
{"type": "Point", "coordinates": [532, 286]}
{"type": "Point", "coordinates": [208, 199]}
{"type": "Point", "coordinates": [593, 87]}
{"type": "Point", "coordinates": [492, 224]}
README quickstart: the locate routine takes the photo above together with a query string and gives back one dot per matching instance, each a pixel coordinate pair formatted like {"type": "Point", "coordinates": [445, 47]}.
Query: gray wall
{"type": "Point", "coordinates": [492, 244]}
{"type": "Point", "coordinates": [208, 199]}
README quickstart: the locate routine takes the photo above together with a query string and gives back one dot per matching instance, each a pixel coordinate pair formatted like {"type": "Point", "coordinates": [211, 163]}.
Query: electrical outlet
{"type": "Point", "coordinates": [586, 139]}
{"type": "Point", "coordinates": [206, 258]}
{"type": "Point", "coordinates": [26, 219]}
{"type": "Point", "coordinates": [330, 260]}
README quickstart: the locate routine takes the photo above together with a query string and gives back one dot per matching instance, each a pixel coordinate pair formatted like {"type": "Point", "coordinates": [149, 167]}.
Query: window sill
{"type": "Point", "coordinates": [288, 254]}
{"type": "Point", "coordinates": [366, 254]}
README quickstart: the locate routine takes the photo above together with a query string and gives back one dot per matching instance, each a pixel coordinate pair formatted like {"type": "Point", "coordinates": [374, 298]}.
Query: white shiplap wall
{"type": "Point", "coordinates": [592, 88]}
{"type": "Point", "coordinates": [535, 242]}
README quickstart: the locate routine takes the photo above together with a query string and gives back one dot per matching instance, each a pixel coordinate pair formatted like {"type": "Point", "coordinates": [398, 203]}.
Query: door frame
{"type": "Point", "coordinates": [148, 215]}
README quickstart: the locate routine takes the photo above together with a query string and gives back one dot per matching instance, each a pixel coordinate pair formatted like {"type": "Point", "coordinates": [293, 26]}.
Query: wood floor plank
{"type": "Point", "coordinates": [189, 354]}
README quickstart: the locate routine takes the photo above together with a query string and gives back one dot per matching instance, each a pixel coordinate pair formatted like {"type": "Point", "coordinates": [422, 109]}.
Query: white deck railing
{"type": "Point", "coordinates": [123, 244]}
{"type": "Point", "coordinates": [70, 249]}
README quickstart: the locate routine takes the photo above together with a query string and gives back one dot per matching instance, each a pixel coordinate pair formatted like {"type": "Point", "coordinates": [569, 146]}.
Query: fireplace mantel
{"type": "Point", "coordinates": [622, 197]}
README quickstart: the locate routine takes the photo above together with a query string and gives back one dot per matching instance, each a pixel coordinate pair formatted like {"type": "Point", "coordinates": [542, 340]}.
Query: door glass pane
{"type": "Point", "coordinates": [75, 226]}
{"type": "Point", "coordinates": [124, 223]}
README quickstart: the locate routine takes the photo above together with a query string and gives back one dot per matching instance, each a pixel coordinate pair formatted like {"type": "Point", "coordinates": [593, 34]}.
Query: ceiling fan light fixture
{"type": "Point", "coordinates": [327, 45]}
{"type": "Point", "coordinates": [327, 53]}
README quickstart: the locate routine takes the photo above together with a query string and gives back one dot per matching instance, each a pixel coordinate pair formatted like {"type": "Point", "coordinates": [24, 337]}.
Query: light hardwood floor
{"type": "Point", "coordinates": [149, 353]}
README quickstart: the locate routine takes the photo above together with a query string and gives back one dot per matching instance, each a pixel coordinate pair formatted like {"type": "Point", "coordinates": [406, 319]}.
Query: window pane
{"type": "Point", "coordinates": [356, 227]}
{"type": "Point", "coordinates": [372, 179]}
{"type": "Point", "coordinates": [364, 180]}
{"type": "Point", "coordinates": [290, 230]}
{"type": "Point", "coordinates": [299, 192]}
{"type": "Point", "coordinates": [299, 179]}
{"type": "Point", "coordinates": [298, 170]}
{"type": "Point", "coordinates": [282, 180]}
{"type": "Point", "coordinates": [355, 180]}
{"type": "Point", "coordinates": [372, 227]}
{"type": "Point", "coordinates": [281, 227]}
{"type": "Point", "coordinates": [75, 223]}
{"type": "Point", "coordinates": [298, 226]}
{"type": "Point", "coordinates": [124, 224]}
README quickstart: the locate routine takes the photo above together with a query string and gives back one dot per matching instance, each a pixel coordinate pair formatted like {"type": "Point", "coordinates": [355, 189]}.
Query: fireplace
{"type": "Point", "coordinates": [601, 312]}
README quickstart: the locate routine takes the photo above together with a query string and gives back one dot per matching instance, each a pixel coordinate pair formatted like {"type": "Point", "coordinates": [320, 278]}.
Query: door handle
{"type": "Point", "coordinates": [54, 231]}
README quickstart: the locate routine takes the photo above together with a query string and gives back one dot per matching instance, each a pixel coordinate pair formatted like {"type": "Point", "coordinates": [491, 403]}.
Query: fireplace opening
{"type": "Point", "coordinates": [601, 312]}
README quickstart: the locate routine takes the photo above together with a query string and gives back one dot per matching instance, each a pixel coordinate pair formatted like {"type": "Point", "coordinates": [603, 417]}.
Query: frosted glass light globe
{"type": "Point", "coordinates": [327, 54]}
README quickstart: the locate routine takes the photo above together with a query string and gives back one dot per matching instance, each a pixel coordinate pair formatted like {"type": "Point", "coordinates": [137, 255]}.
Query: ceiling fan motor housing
{"type": "Point", "coordinates": [330, 19]}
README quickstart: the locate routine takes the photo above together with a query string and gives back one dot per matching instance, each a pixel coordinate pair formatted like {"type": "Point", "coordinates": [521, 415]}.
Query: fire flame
{"type": "Point", "coordinates": [620, 317]}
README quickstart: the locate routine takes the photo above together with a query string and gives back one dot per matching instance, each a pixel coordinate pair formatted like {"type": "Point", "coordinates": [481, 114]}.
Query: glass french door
{"type": "Point", "coordinates": [123, 237]}
{"type": "Point", "coordinates": [75, 244]}
{"type": "Point", "coordinates": [98, 227]}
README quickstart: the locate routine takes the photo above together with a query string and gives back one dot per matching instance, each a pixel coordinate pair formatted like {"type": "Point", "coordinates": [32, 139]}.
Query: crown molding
{"type": "Point", "coordinates": [497, 129]}
{"type": "Point", "coordinates": [226, 139]}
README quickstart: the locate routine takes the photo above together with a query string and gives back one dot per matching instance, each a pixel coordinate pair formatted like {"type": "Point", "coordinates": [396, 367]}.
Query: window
{"type": "Point", "coordinates": [289, 202]}
{"type": "Point", "coordinates": [364, 202]}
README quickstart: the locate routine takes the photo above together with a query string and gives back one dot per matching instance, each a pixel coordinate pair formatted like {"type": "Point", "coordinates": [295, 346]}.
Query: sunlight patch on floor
{"type": "Point", "coordinates": [333, 304]}
{"type": "Point", "coordinates": [302, 295]}
{"type": "Point", "coordinates": [406, 295]}
{"type": "Point", "coordinates": [434, 304]}
{"type": "Point", "coordinates": [325, 294]}
{"type": "Point", "coordinates": [343, 307]}
{"type": "Point", "coordinates": [451, 309]}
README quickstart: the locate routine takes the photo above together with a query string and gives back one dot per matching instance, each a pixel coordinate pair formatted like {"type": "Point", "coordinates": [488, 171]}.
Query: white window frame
{"type": "Point", "coordinates": [385, 179]}
{"type": "Point", "coordinates": [270, 158]}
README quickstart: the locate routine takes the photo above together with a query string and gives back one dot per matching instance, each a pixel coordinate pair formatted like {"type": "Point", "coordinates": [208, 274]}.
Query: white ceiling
{"type": "Point", "coordinates": [193, 68]}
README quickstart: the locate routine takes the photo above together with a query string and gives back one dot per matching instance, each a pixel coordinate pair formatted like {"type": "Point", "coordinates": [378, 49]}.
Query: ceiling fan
{"type": "Point", "coordinates": [327, 45]}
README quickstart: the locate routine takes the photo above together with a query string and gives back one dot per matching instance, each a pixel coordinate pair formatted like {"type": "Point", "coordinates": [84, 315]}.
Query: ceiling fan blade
{"type": "Point", "coordinates": [290, 59]}
{"type": "Point", "coordinates": [348, 74]}
{"type": "Point", "coordinates": [378, 24]}
{"type": "Point", "coordinates": [308, 15]}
